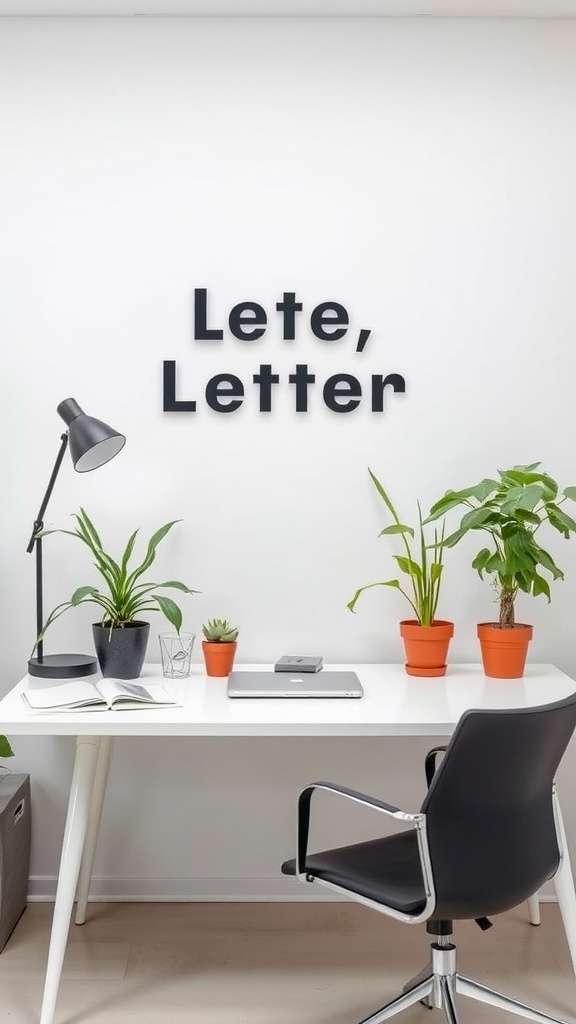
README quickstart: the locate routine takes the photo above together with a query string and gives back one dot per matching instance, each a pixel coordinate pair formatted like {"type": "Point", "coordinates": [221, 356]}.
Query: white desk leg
{"type": "Point", "coordinates": [72, 847]}
{"type": "Point", "coordinates": [534, 909]}
{"type": "Point", "coordinates": [96, 803]}
{"type": "Point", "coordinates": [564, 885]}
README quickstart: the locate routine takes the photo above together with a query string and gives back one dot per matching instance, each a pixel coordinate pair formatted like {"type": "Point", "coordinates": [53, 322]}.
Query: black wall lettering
{"type": "Point", "coordinates": [224, 392]}
{"type": "Point", "coordinates": [238, 317]}
{"type": "Point", "coordinates": [289, 307]}
{"type": "Point", "coordinates": [342, 392]}
{"type": "Point", "coordinates": [265, 379]}
{"type": "Point", "coordinates": [379, 383]}
{"type": "Point", "coordinates": [201, 331]}
{"type": "Point", "coordinates": [301, 378]}
{"type": "Point", "coordinates": [320, 320]}
{"type": "Point", "coordinates": [170, 403]}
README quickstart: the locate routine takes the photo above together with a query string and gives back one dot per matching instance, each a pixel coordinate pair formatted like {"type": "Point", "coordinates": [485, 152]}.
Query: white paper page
{"type": "Point", "coordinates": [45, 698]}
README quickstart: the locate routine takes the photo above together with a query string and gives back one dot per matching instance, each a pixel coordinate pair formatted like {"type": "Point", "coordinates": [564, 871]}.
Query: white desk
{"type": "Point", "coordinates": [394, 704]}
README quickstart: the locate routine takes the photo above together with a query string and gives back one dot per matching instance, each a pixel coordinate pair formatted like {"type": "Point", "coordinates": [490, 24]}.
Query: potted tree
{"type": "Point", "coordinates": [510, 510]}
{"type": "Point", "coordinates": [121, 637]}
{"type": "Point", "coordinates": [219, 646]}
{"type": "Point", "coordinates": [426, 638]}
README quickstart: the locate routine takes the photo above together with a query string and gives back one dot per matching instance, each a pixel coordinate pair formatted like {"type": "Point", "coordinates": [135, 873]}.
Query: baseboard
{"type": "Point", "coordinates": [187, 890]}
{"type": "Point", "coordinates": [42, 888]}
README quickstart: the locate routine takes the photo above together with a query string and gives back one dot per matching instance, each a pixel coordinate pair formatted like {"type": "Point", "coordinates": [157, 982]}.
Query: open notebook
{"type": "Point", "coordinates": [105, 695]}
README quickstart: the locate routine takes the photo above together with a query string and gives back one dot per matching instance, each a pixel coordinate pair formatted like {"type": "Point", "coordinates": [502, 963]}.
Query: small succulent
{"type": "Point", "coordinates": [219, 631]}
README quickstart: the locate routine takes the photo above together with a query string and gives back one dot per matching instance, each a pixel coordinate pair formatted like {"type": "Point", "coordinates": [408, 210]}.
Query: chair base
{"type": "Point", "coordinates": [437, 985]}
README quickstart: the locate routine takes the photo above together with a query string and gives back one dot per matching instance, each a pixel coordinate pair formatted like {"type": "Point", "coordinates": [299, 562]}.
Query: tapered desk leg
{"type": "Point", "coordinates": [96, 803]}
{"type": "Point", "coordinates": [564, 885]}
{"type": "Point", "coordinates": [534, 909]}
{"type": "Point", "coordinates": [72, 847]}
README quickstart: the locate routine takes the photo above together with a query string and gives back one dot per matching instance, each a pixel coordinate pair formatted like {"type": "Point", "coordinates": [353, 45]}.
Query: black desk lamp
{"type": "Point", "coordinates": [92, 443]}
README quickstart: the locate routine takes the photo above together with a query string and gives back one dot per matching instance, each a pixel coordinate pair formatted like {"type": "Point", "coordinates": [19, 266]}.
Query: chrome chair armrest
{"type": "Point", "coordinates": [304, 805]}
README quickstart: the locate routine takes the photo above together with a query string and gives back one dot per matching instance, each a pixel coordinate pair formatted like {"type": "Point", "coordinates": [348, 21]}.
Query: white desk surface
{"type": "Point", "coordinates": [394, 704]}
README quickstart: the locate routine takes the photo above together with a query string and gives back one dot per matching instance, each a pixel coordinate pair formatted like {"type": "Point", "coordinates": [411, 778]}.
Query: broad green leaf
{"type": "Point", "coordinates": [523, 515]}
{"type": "Point", "coordinates": [548, 562]}
{"type": "Point", "coordinates": [436, 571]}
{"type": "Point", "coordinates": [482, 557]}
{"type": "Point", "coordinates": [170, 610]}
{"type": "Point", "coordinates": [560, 520]}
{"type": "Point", "coordinates": [476, 518]}
{"type": "Point", "coordinates": [495, 563]}
{"type": "Point", "coordinates": [454, 538]}
{"type": "Point", "coordinates": [408, 566]}
{"type": "Point", "coordinates": [396, 528]}
{"type": "Point", "coordinates": [570, 492]}
{"type": "Point", "coordinates": [540, 586]}
{"type": "Point", "coordinates": [5, 748]}
{"type": "Point", "coordinates": [79, 595]}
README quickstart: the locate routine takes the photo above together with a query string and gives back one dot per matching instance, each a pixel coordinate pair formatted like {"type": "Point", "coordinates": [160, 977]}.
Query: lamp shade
{"type": "Point", "coordinates": [91, 442]}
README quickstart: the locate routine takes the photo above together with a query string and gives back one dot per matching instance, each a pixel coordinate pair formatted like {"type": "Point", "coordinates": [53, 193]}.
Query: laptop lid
{"type": "Point", "coordinates": [292, 684]}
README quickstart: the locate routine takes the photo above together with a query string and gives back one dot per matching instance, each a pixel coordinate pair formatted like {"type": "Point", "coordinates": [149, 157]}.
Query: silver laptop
{"type": "Point", "coordinates": [291, 684]}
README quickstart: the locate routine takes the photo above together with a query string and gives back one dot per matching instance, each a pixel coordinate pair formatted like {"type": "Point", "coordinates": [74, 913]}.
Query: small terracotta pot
{"type": "Point", "coordinates": [219, 657]}
{"type": "Point", "coordinates": [504, 650]}
{"type": "Point", "coordinates": [426, 646]}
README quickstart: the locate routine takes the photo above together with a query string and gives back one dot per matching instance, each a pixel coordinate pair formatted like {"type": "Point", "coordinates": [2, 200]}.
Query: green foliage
{"type": "Point", "coordinates": [511, 510]}
{"type": "Point", "coordinates": [5, 748]}
{"type": "Point", "coordinates": [125, 596]}
{"type": "Point", "coordinates": [219, 631]}
{"type": "Point", "coordinates": [424, 568]}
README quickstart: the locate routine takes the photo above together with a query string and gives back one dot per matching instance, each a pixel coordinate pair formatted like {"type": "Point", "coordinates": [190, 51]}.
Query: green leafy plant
{"type": "Point", "coordinates": [423, 568]}
{"type": "Point", "coordinates": [125, 596]}
{"type": "Point", "coordinates": [5, 748]}
{"type": "Point", "coordinates": [511, 510]}
{"type": "Point", "coordinates": [219, 631]}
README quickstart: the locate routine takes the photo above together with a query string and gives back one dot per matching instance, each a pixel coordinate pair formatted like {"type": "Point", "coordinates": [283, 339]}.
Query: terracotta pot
{"type": "Point", "coordinates": [426, 646]}
{"type": "Point", "coordinates": [219, 657]}
{"type": "Point", "coordinates": [504, 650]}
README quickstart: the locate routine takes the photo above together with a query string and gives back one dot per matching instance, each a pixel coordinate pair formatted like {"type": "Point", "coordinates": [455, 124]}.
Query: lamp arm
{"type": "Point", "coordinates": [36, 542]}
{"type": "Point", "coordinates": [38, 522]}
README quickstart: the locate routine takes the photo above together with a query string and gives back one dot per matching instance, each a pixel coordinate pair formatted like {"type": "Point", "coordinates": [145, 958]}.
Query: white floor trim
{"type": "Point", "coordinates": [42, 888]}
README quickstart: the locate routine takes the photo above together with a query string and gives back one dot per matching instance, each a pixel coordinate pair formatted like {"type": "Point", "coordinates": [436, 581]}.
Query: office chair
{"type": "Point", "coordinates": [486, 838]}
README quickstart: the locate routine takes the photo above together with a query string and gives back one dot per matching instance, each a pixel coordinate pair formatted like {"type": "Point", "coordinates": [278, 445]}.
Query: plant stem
{"type": "Point", "coordinates": [507, 609]}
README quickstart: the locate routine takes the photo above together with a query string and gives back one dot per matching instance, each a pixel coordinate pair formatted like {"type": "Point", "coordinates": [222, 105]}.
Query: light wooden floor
{"type": "Point", "coordinates": [262, 963]}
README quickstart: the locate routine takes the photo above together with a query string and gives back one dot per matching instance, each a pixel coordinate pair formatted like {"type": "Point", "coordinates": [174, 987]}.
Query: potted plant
{"type": "Point", "coordinates": [426, 638]}
{"type": "Point", "coordinates": [510, 511]}
{"type": "Point", "coordinates": [5, 748]}
{"type": "Point", "coordinates": [121, 637]}
{"type": "Point", "coordinates": [219, 646]}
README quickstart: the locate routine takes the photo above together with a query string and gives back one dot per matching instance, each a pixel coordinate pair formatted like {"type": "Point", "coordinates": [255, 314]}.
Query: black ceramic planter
{"type": "Point", "coordinates": [121, 649]}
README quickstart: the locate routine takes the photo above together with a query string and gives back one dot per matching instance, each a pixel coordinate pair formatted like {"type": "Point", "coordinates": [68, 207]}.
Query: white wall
{"type": "Point", "coordinates": [421, 173]}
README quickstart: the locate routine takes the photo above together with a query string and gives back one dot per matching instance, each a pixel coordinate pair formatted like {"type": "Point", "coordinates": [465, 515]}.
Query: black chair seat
{"type": "Point", "coordinates": [385, 870]}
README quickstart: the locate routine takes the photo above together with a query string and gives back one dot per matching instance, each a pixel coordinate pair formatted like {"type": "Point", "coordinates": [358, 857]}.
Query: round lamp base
{"type": "Point", "coordinates": [63, 666]}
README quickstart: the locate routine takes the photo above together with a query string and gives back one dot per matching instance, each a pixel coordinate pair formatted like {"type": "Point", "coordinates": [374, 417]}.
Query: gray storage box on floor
{"type": "Point", "coordinates": [14, 850]}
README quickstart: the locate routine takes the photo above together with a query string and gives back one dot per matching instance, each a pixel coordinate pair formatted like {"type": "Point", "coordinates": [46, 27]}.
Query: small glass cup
{"type": "Point", "coordinates": [176, 653]}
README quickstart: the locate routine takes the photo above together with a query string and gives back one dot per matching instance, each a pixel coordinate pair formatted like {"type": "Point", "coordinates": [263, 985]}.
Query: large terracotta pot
{"type": "Point", "coordinates": [426, 646]}
{"type": "Point", "coordinates": [219, 657]}
{"type": "Point", "coordinates": [504, 650]}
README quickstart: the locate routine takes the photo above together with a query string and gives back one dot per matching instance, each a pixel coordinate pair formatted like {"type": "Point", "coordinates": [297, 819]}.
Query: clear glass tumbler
{"type": "Point", "coordinates": [176, 653]}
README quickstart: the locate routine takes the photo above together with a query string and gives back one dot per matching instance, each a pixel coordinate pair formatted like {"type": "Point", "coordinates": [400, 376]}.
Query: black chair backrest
{"type": "Point", "coordinates": [489, 809]}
